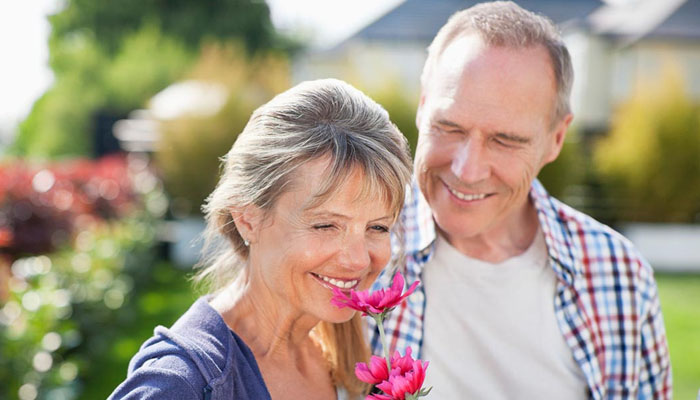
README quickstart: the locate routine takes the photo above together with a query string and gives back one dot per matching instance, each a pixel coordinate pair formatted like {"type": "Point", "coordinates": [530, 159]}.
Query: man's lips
{"type": "Point", "coordinates": [467, 196]}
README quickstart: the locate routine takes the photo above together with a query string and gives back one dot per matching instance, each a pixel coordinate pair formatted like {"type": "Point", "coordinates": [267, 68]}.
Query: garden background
{"type": "Point", "coordinates": [101, 184]}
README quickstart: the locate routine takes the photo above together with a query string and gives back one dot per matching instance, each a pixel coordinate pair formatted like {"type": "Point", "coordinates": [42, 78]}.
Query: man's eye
{"type": "Point", "coordinates": [323, 226]}
{"type": "Point", "coordinates": [503, 143]}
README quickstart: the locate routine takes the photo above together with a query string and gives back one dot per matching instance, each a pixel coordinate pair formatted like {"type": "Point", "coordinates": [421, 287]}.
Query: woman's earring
{"type": "Point", "coordinates": [246, 243]}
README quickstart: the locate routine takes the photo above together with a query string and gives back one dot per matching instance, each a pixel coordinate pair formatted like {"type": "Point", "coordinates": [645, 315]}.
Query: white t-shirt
{"type": "Point", "coordinates": [490, 331]}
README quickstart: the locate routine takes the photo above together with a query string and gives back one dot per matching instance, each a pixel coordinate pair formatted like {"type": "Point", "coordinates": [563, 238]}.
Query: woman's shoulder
{"type": "Point", "coordinates": [194, 357]}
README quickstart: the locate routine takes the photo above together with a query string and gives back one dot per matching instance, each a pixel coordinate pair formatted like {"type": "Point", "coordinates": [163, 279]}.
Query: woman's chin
{"type": "Point", "coordinates": [340, 316]}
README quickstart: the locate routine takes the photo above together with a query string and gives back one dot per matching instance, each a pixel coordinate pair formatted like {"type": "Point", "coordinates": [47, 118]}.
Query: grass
{"type": "Point", "coordinates": [680, 303]}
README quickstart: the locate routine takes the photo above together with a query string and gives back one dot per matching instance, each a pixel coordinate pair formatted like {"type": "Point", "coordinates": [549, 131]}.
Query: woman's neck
{"type": "Point", "coordinates": [267, 325]}
{"type": "Point", "coordinates": [291, 362]}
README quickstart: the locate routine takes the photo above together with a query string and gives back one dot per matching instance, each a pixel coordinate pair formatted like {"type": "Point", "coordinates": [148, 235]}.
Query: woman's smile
{"type": "Point", "coordinates": [341, 283]}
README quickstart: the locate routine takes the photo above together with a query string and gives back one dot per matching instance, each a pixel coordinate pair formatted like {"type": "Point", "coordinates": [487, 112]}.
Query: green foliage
{"type": "Point", "coordinates": [147, 62]}
{"type": "Point", "coordinates": [649, 163]}
{"type": "Point", "coordinates": [79, 277]}
{"type": "Point", "coordinates": [110, 22]}
{"type": "Point", "coordinates": [401, 107]}
{"type": "Point", "coordinates": [58, 302]}
{"type": "Point", "coordinates": [110, 57]}
{"type": "Point", "coordinates": [95, 304]}
{"type": "Point", "coordinates": [568, 171]}
{"type": "Point", "coordinates": [190, 147]}
{"type": "Point", "coordinates": [61, 122]}
{"type": "Point", "coordinates": [160, 295]}
{"type": "Point", "coordinates": [680, 302]}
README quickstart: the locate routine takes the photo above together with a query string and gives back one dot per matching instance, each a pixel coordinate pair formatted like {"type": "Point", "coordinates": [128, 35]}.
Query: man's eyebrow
{"type": "Point", "coordinates": [512, 137]}
{"type": "Point", "coordinates": [450, 124]}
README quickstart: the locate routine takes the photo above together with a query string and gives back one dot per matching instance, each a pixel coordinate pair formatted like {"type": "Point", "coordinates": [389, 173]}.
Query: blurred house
{"type": "Point", "coordinates": [612, 44]}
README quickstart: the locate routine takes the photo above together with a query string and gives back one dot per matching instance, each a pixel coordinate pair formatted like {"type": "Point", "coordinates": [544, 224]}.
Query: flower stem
{"type": "Point", "coordinates": [379, 319]}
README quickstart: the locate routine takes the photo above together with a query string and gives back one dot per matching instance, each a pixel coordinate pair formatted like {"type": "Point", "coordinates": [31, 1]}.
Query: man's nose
{"type": "Point", "coordinates": [470, 162]}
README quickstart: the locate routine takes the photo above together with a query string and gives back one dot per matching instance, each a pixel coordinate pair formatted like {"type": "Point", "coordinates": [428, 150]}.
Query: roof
{"type": "Point", "coordinates": [420, 20]}
{"type": "Point", "coordinates": [685, 22]}
{"type": "Point", "coordinates": [650, 18]}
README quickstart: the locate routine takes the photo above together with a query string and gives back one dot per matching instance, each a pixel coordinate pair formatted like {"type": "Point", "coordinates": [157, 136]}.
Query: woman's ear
{"type": "Point", "coordinates": [248, 221]}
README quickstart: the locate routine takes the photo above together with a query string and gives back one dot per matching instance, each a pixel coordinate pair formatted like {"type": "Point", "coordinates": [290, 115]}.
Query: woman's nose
{"type": "Point", "coordinates": [355, 253]}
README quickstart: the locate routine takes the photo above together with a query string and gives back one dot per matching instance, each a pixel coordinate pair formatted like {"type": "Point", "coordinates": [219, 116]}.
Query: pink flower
{"type": "Point", "coordinates": [406, 384]}
{"type": "Point", "coordinates": [376, 371]}
{"type": "Point", "coordinates": [373, 373]}
{"type": "Point", "coordinates": [406, 377]}
{"type": "Point", "coordinates": [399, 377]}
{"type": "Point", "coordinates": [377, 396]}
{"type": "Point", "coordinates": [374, 303]}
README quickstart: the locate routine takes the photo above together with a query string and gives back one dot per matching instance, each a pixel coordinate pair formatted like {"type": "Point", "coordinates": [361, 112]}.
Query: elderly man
{"type": "Point", "coordinates": [521, 296]}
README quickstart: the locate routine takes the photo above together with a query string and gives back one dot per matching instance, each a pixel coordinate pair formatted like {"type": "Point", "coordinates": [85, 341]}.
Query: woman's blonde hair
{"type": "Point", "coordinates": [315, 119]}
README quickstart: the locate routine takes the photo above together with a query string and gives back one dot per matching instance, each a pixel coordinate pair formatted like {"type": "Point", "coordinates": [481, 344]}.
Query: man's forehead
{"type": "Point", "coordinates": [461, 50]}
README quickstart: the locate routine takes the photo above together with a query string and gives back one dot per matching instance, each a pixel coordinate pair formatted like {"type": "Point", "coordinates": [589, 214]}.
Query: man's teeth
{"type": "Point", "coordinates": [339, 283]}
{"type": "Point", "coordinates": [467, 197]}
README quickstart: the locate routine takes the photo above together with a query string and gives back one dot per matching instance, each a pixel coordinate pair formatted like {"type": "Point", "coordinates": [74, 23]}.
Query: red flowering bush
{"type": "Point", "coordinates": [41, 206]}
{"type": "Point", "coordinates": [78, 259]}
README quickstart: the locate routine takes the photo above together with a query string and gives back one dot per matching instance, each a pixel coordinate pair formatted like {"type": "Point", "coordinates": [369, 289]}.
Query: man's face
{"type": "Point", "coordinates": [485, 132]}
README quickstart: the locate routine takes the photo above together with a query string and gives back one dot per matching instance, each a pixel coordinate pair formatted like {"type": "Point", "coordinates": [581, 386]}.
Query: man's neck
{"type": "Point", "coordinates": [511, 237]}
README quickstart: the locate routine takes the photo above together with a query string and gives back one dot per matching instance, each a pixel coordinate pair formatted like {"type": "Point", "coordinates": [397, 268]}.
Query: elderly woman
{"type": "Point", "coordinates": [309, 193]}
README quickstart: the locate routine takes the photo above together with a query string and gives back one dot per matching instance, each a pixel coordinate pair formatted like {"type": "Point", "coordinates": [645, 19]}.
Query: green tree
{"type": "Point", "coordinates": [650, 162]}
{"type": "Point", "coordinates": [62, 120]}
{"type": "Point", "coordinates": [110, 57]}
{"type": "Point", "coordinates": [110, 22]}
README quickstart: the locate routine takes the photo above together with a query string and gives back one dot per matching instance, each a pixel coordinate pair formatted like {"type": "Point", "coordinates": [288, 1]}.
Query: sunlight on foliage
{"type": "Point", "coordinates": [190, 147]}
{"type": "Point", "coordinates": [650, 161]}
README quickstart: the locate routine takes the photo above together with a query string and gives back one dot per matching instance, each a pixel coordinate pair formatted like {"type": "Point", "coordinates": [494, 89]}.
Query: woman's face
{"type": "Point", "coordinates": [300, 253]}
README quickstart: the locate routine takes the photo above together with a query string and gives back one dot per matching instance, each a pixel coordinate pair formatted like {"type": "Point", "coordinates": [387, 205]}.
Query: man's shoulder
{"type": "Point", "coordinates": [594, 245]}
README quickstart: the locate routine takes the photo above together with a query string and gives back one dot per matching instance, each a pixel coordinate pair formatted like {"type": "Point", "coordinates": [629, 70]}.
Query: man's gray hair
{"type": "Point", "coordinates": [317, 119]}
{"type": "Point", "coordinates": [504, 23]}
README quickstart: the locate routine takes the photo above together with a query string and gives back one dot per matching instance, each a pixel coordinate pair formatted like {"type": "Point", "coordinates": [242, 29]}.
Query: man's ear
{"type": "Point", "coordinates": [556, 142]}
{"type": "Point", "coordinates": [248, 221]}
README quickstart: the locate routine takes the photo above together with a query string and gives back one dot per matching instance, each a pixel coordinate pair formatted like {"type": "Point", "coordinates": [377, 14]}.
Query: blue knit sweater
{"type": "Point", "coordinates": [198, 358]}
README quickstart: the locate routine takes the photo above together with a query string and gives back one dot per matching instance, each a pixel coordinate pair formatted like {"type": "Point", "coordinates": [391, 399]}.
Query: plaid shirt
{"type": "Point", "coordinates": [606, 301]}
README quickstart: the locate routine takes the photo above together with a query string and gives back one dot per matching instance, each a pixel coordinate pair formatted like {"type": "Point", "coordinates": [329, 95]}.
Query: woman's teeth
{"type": "Point", "coordinates": [338, 283]}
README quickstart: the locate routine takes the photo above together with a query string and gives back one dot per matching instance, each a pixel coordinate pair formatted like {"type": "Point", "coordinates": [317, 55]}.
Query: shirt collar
{"type": "Point", "coordinates": [417, 219]}
{"type": "Point", "coordinates": [557, 235]}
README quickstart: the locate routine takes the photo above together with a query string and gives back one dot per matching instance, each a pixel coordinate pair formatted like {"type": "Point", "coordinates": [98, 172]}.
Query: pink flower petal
{"type": "Point", "coordinates": [377, 302]}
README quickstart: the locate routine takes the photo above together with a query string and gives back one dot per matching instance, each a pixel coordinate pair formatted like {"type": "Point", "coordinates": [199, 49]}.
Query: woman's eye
{"type": "Point", "coordinates": [380, 228]}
